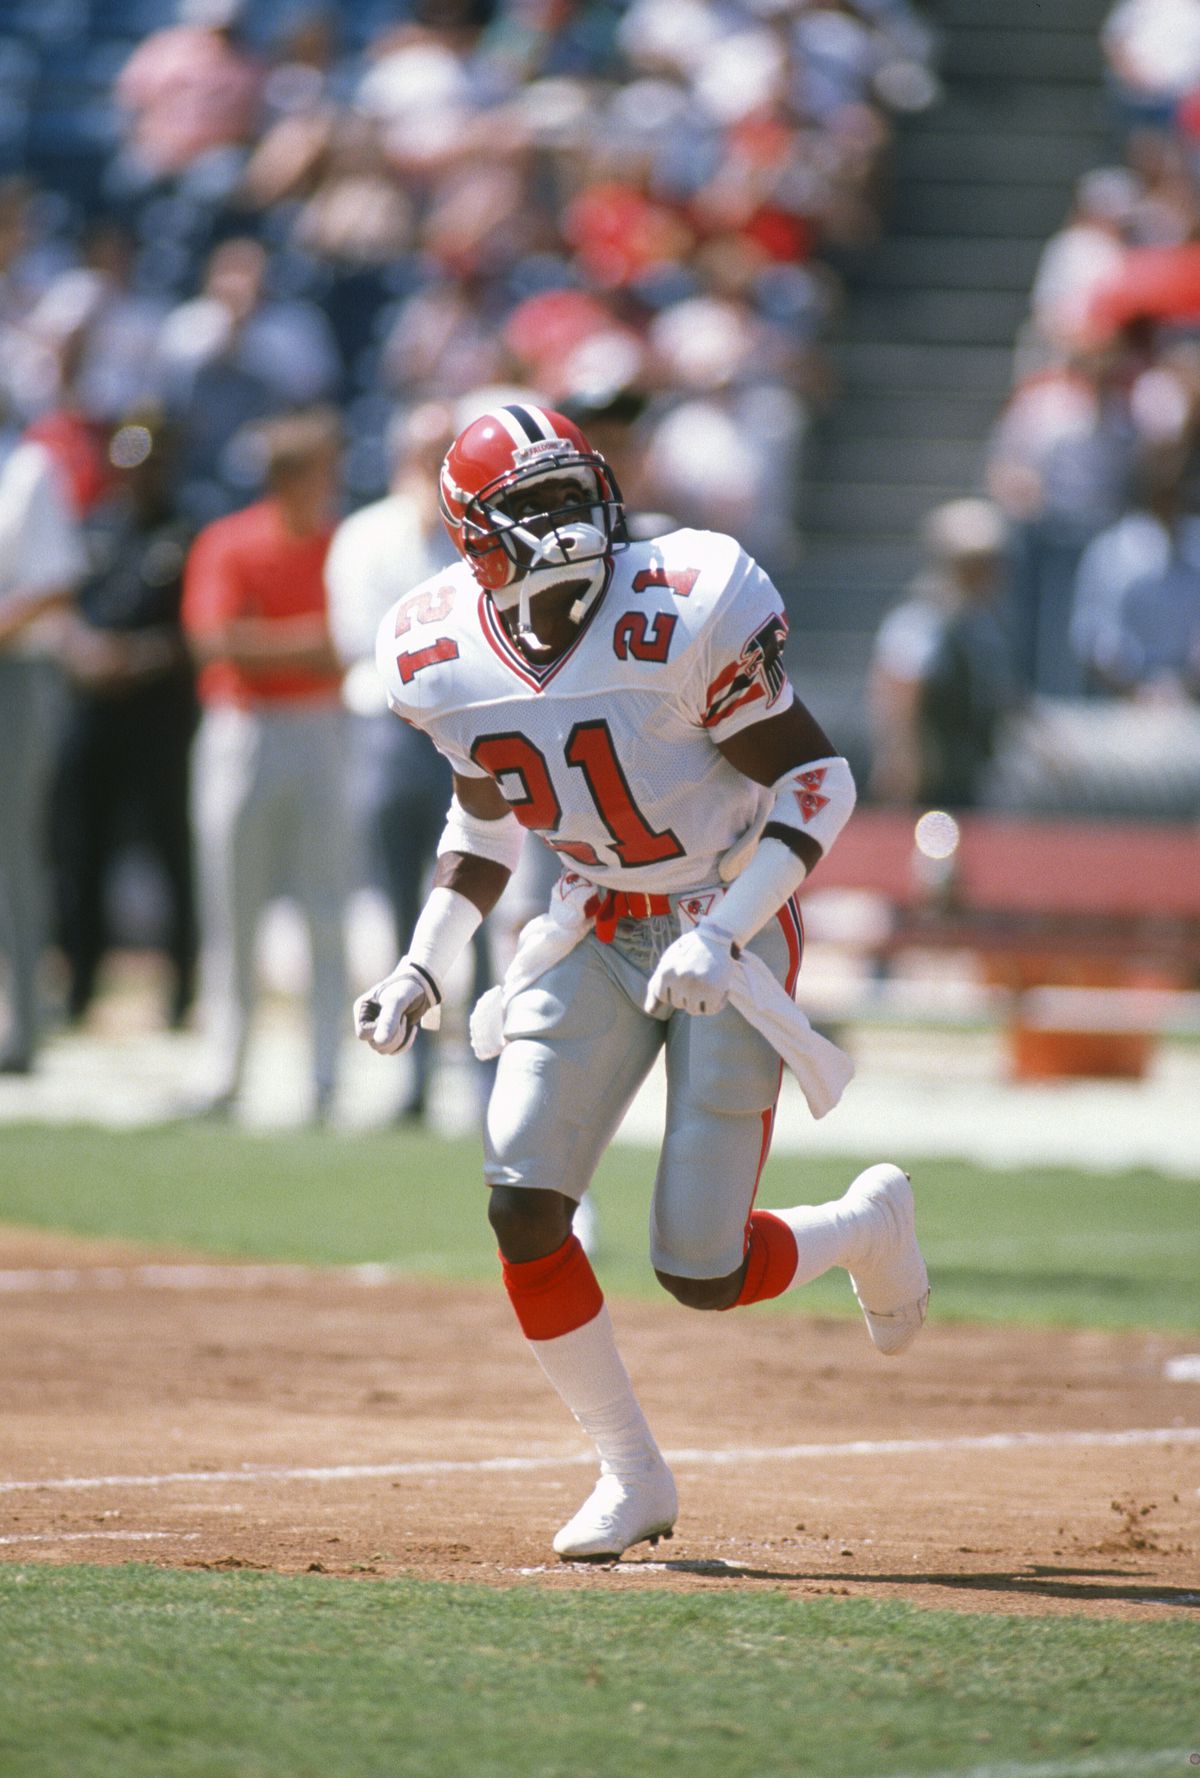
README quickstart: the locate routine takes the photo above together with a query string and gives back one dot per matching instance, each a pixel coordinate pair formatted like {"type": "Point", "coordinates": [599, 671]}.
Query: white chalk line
{"type": "Point", "coordinates": [36, 1279]}
{"type": "Point", "coordinates": [431, 1466]}
{"type": "Point", "coordinates": [1085, 1765]}
{"type": "Point", "coordinates": [101, 1537]}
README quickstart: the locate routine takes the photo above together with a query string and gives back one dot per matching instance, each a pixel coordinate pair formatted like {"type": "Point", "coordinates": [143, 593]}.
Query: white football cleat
{"type": "Point", "coordinates": [892, 1284]}
{"type": "Point", "coordinates": [619, 1513]}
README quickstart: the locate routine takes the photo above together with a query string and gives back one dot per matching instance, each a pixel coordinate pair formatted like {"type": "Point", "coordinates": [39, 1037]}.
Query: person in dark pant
{"type": "Point", "coordinates": [122, 769]}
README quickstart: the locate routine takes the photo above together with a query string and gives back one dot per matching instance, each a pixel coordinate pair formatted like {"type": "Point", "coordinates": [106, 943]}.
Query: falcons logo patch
{"type": "Point", "coordinates": [758, 672]}
{"type": "Point", "coordinates": [696, 906]}
{"type": "Point", "coordinates": [808, 794]}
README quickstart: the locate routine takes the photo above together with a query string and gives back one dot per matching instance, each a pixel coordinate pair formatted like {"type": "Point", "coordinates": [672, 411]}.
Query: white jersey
{"type": "Point", "coordinates": [609, 752]}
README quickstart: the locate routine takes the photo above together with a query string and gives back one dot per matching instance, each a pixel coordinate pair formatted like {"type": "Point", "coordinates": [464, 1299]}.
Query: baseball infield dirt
{"type": "Point", "coordinates": [154, 1408]}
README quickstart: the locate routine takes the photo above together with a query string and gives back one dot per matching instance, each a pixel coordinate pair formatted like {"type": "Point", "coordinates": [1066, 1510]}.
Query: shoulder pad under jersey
{"type": "Point", "coordinates": [427, 629]}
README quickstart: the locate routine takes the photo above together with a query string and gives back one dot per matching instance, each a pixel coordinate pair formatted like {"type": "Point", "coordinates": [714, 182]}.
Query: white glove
{"type": "Point", "coordinates": [387, 1015]}
{"type": "Point", "coordinates": [695, 973]}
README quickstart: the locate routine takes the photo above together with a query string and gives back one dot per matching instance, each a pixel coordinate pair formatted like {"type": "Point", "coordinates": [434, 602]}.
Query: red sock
{"type": "Point", "coordinates": [554, 1295]}
{"type": "Point", "coordinates": [771, 1258]}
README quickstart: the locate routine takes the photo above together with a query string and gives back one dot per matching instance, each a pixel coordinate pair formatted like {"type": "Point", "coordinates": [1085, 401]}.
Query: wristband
{"type": "Point", "coordinates": [770, 879]}
{"type": "Point", "coordinates": [445, 927]}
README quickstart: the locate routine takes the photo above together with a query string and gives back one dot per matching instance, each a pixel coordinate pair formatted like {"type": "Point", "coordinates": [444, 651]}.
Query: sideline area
{"type": "Point", "coordinates": [919, 1092]}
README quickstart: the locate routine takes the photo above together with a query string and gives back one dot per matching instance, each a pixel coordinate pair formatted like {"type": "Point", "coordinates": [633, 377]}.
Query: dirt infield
{"type": "Point", "coordinates": [349, 1423]}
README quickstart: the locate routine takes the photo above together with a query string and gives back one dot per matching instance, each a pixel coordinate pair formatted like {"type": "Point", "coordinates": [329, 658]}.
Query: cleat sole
{"type": "Point", "coordinates": [601, 1558]}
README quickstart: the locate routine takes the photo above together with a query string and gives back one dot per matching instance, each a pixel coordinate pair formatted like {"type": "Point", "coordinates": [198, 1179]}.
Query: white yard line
{"type": "Point", "coordinates": [101, 1537]}
{"type": "Point", "coordinates": [1085, 1765]}
{"type": "Point", "coordinates": [889, 1447]}
{"type": "Point", "coordinates": [33, 1279]}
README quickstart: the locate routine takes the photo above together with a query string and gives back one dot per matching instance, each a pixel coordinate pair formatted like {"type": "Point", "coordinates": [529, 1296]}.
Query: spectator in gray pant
{"type": "Point", "coordinates": [269, 769]}
{"type": "Point", "coordinates": [42, 562]}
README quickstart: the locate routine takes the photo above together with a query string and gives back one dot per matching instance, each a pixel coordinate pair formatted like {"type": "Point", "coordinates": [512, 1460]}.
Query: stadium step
{"type": "Point", "coordinates": [913, 262]}
{"type": "Point", "coordinates": [966, 156]}
{"type": "Point", "coordinates": [932, 457]}
{"type": "Point", "coordinates": [1028, 107]}
{"type": "Point", "coordinates": [990, 52]}
{"type": "Point", "coordinates": [942, 209]}
{"type": "Point", "coordinates": [898, 415]}
{"type": "Point", "coordinates": [939, 317]}
{"type": "Point", "coordinates": [924, 359]}
{"type": "Point", "coordinates": [903, 367]}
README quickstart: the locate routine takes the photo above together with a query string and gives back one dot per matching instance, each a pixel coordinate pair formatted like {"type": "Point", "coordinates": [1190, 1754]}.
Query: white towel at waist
{"type": "Point", "coordinates": [823, 1070]}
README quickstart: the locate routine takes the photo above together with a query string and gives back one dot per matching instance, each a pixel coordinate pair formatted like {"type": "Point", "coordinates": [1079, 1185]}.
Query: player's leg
{"type": "Point", "coordinates": [577, 1049]}
{"type": "Point", "coordinates": [318, 837]}
{"type": "Point", "coordinates": [722, 1084]}
{"type": "Point", "coordinates": [871, 1231]}
{"type": "Point", "coordinates": [710, 1247]}
{"type": "Point", "coordinates": [29, 708]}
{"type": "Point", "coordinates": [81, 808]}
{"type": "Point", "coordinates": [165, 788]}
{"type": "Point", "coordinates": [232, 813]}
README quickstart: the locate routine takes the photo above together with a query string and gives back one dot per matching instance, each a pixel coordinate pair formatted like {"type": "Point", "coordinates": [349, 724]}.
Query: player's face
{"type": "Point", "coordinates": [556, 535]}
{"type": "Point", "coordinates": [541, 505]}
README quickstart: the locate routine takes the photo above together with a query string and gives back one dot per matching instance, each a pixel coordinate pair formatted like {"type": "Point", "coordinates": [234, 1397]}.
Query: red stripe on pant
{"type": "Point", "coordinates": [771, 1251]}
{"type": "Point", "coordinates": [555, 1295]}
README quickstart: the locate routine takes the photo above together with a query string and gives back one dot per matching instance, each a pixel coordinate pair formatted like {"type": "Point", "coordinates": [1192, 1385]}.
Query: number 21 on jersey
{"type": "Point", "coordinates": [589, 750]}
{"type": "Point", "coordinates": [428, 607]}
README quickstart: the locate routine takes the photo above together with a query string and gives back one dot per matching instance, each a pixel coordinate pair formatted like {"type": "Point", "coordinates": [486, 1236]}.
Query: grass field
{"type": "Point", "coordinates": [135, 1672]}
{"type": "Point", "coordinates": [142, 1673]}
{"type": "Point", "coordinates": [1113, 1250]}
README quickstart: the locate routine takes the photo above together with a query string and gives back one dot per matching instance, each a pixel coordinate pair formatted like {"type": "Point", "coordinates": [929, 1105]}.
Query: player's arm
{"type": "Point", "coordinates": [478, 852]}
{"type": "Point", "coordinates": [773, 751]}
{"type": "Point", "coordinates": [813, 797]}
{"type": "Point", "coordinates": [21, 609]}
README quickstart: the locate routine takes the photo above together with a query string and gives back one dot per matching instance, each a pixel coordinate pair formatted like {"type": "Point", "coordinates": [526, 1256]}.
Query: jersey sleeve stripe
{"type": "Point", "coordinates": [713, 717]}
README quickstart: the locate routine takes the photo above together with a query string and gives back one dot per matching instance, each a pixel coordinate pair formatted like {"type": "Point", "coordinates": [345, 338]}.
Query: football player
{"type": "Point", "coordinates": [626, 701]}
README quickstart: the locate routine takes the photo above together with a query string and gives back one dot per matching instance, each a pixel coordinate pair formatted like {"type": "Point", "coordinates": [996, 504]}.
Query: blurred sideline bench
{"type": "Point", "coordinates": [1093, 927]}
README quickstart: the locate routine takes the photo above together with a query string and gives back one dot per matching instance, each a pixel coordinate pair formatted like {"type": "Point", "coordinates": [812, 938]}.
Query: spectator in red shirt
{"type": "Point", "coordinates": [268, 774]}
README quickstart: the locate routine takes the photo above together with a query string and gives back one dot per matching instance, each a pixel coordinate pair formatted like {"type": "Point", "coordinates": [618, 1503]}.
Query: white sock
{"type": "Point", "coordinates": [586, 1369]}
{"type": "Point", "coordinates": [826, 1235]}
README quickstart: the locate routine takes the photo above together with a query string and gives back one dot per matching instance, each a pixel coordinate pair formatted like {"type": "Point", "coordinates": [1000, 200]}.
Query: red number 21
{"type": "Point", "coordinates": [589, 750]}
{"type": "Point", "coordinates": [424, 608]}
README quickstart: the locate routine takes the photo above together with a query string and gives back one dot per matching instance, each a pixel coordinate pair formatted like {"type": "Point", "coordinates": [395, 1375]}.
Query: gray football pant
{"type": "Point", "coordinates": [577, 1048]}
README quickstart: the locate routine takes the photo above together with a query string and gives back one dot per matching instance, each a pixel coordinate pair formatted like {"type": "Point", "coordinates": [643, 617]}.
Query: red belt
{"type": "Point", "coordinates": [616, 905]}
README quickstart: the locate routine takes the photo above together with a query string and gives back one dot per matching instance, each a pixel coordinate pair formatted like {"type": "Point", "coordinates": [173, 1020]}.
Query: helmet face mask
{"type": "Point", "coordinates": [551, 515]}
{"type": "Point", "coordinates": [530, 506]}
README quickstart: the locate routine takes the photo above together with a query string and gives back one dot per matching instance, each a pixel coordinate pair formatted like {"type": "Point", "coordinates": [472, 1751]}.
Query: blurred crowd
{"type": "Point", "coordinates": [1049, 654]}
{"type": "Point", "coordinates": [288, 205]}
{"type": "Point", "coordinates": [258, 262]}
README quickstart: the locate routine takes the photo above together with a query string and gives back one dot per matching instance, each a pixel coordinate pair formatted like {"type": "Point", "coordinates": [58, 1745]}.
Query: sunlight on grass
{"type": "Point", "coordinates": [1044, 1245]}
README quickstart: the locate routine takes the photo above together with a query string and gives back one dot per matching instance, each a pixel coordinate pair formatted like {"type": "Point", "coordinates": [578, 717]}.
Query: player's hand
{"type": "Point", "coordinates": [694, 973]}
{"type": "Point", "coordinates": [387, 1015]}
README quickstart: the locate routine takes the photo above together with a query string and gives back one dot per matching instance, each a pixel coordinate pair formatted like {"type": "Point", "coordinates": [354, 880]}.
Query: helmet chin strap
{"type": "Point", "coordinates": [550, 566]}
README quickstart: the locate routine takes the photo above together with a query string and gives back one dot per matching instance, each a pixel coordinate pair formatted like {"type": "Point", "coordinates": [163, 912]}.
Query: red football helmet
{"type": "Point", "coordinates": [513, 558]}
